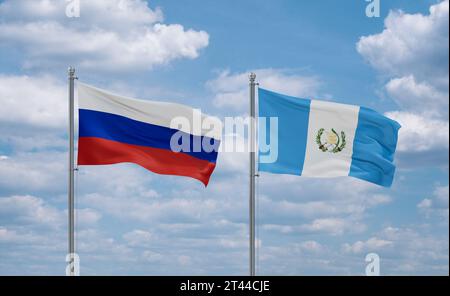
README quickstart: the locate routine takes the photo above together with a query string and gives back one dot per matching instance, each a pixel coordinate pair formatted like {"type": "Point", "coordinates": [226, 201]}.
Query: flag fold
{"type": "Point", "coordinates": [326, 139]}
{"type": "Point", "coordinates": [115, 129]}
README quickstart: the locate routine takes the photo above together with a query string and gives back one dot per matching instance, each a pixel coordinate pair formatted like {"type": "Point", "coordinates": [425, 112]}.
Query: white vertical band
{"type": "Point", "coordinates": [343, 119]}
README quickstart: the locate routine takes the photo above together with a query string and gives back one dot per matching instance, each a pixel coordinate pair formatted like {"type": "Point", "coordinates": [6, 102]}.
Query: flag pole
{"type": "Point", "coordinates": [252, 145]}
{"type": "Point", "coordinates": [71, 191]}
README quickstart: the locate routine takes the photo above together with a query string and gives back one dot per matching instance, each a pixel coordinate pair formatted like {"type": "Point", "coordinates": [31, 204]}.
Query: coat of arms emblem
{"type": "Point", "coordinates": [330, 141]}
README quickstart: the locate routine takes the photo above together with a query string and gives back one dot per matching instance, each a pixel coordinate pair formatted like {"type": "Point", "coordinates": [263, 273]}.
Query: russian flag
{"type": "Point", "coordinates": [115, 129]}
{"type": "Point", "coordinates": [326, 139]}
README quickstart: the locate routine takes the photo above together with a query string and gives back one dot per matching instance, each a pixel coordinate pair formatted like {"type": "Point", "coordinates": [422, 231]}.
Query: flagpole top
{"type": "Point", "coordinates": [71, 71]}
{"type": "Point", "coordinates": [252, 77]}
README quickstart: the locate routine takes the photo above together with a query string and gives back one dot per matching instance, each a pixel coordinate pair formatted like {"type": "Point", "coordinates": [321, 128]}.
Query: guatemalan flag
{"type": "Point", "coordinates": [326, 139]}
{"type": "Point", "coordinates": [115, 129]}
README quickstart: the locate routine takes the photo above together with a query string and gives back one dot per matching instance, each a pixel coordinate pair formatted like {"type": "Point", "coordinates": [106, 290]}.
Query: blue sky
{"type": "Point", "coordinates": [131, 221]}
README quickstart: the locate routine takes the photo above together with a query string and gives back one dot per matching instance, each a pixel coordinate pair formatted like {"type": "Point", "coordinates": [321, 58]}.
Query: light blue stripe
{"type": "Point", "coordinates": [293, 118]}
{"type": "Point", "coordinates": [374, 147]}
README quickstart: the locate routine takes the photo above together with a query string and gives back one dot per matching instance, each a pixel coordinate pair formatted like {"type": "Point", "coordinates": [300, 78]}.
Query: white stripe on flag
{"type": "Point", "coordinates": [341, 118]}
{"type": "Point", "coordinates": [153, 112]}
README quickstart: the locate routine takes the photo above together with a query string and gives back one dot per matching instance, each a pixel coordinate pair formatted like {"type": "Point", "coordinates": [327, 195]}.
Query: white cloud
{"type": "Point", "coordinates": [33, 118]}
{"type": "Point", "coordinates": [138, 237]}
{"type": "Point", "coordinates": [419, 251]}
{"type": "Point", "coordinates": [139, 209]}
{"type": "Point", "coordinates": [151, 256]}
{"type": "Point", "coordinates": [34, 172]}
{"type": "Point", "coordinates": [87, 216]}
{"type": "Point", "coordinates": [128, 12]}
{"type": "Point", "coordinates": [234, 243]}
{"type": "Point", "coordinates": [318, 198]}
{"type": "Point", "coordinates": [410, 43]}
{"type": "Point", "coordinates": [316, 206]}
{"type": "Point", "coordinates": [110, 35]}
{"type": "Point", "coordinates": [94, 243]}
{"type": "Point", "coordinates": [371, 245]}
{"type": "Point", "coordinates": [231, 89]}
{"type": "Point", "coordinates": [419, 133]}
{"type": "Point", "coordinates": [34, 101]}
{"type": "Point", "coordinates": [285, 229]}
{"type": "Point", "coordinates": [312, 246]}
{"type": "Point", "coordinates": [425, 204]}
{"type": "Point", "coordinates": [35, 212]}
{"type": "Point", "coordinates": [12, 236]}
{"type": "Point", "coordinates": [419, 97]}
{"type": "Point", "coordinates": [333, 226]}
{"type": "Point", "coordinates": [121, 181]}
{"type": "Point", "coordinates": [404, 250]}
{"type": "Point", "coordinates": [437, 204]}
{"type": "Point", "coordinates": [412, 52]}
{"type": "Point", "coordinates": [215, 216]}
{"type": "Point", "coordinates": [378, 199]}
{"type": "Point", "coordinates": [233, 162]}
{"type": "Point", "coordinates": [441, 196]}
{"type": "Point", "coordinates": [29, 210]}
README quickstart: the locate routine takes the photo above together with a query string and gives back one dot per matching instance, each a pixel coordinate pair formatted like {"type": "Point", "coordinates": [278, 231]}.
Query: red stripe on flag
{"type": "Point", "coordinates": [98, 151]}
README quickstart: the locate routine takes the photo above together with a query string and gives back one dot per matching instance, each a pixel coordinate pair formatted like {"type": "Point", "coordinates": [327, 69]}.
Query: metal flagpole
{"type": "Point", "coordinates": [252, 146]}
{"type": "Point", "coordinates": [72, 78]}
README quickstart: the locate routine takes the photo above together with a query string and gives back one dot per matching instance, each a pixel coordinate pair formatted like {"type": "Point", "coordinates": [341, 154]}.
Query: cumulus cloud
{"type": "Point", "coordinates": [334, 226]}
{"type": "Point", "coordinates": [410, 95]}
{"type": "Point", "coordinates": [162, 210]}
{"type": "Point", "coordinates": [411, 43]}
{"type": "Point", "coordinates": [236, 161]}
{"type": "Point", "coordinates": [312, 198]}
{"type": "Point", "coordinates": [330, 226]}
{"type": "Point", "coordinates": [35, 172]}
{"type": "Point", "coordinates": [170, 220]}
{"type": "Point", "coordinates": [87, 216]}
{"type": "Point", "coordinates": [39, 102]}
{"type": "Point", "coordinates": [231, 89]}
{"type": "Point", "coordinates": [437, 204]}
{"type": "Point", "coordinates": [442, 197]}
{"type": "Point", "coordinates": [111, 35]}
{"type": "Point", "coordinates": [419, 133]}
{"type": "Point", "coordinates": [92, 241]}
{"type": "Point", "coordinates": [100, 13]}
{"type": "Point", "coordinates": [36, 212]}
{"type": "Point", "coordinates": [371, 245]}
{"type": "Point", "coordinates": [138, 237]}
{"type": "Point", "coordinates": [412, 53]}
{"type": "Point", "coordinates": [29, 210]}
{"type": "Point", "coordinates": [151, 256]}
{"type": "Point", "coordinates": [421, 251]}
{"type": "Point", "coordinates": [312, 246]}
{"type": "Point", "coordinates": [12, 236]}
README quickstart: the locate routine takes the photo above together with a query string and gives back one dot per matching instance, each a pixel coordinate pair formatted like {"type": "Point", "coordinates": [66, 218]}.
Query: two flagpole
{"type": "Point", "coordinates": [71, 184]}
{"type": "Point", "coordinates": [252, 146]}
{"type": "Point", "coordinates": [252, 191]}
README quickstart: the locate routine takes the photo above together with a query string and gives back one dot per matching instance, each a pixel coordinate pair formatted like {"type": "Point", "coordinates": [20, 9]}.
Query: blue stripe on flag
{"type": "Point", "coordinates": [293, 118]}
{"type": "Point", "coordinates": [374, 147]}
{"type": "Point", "coordinates": [125, 130]}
